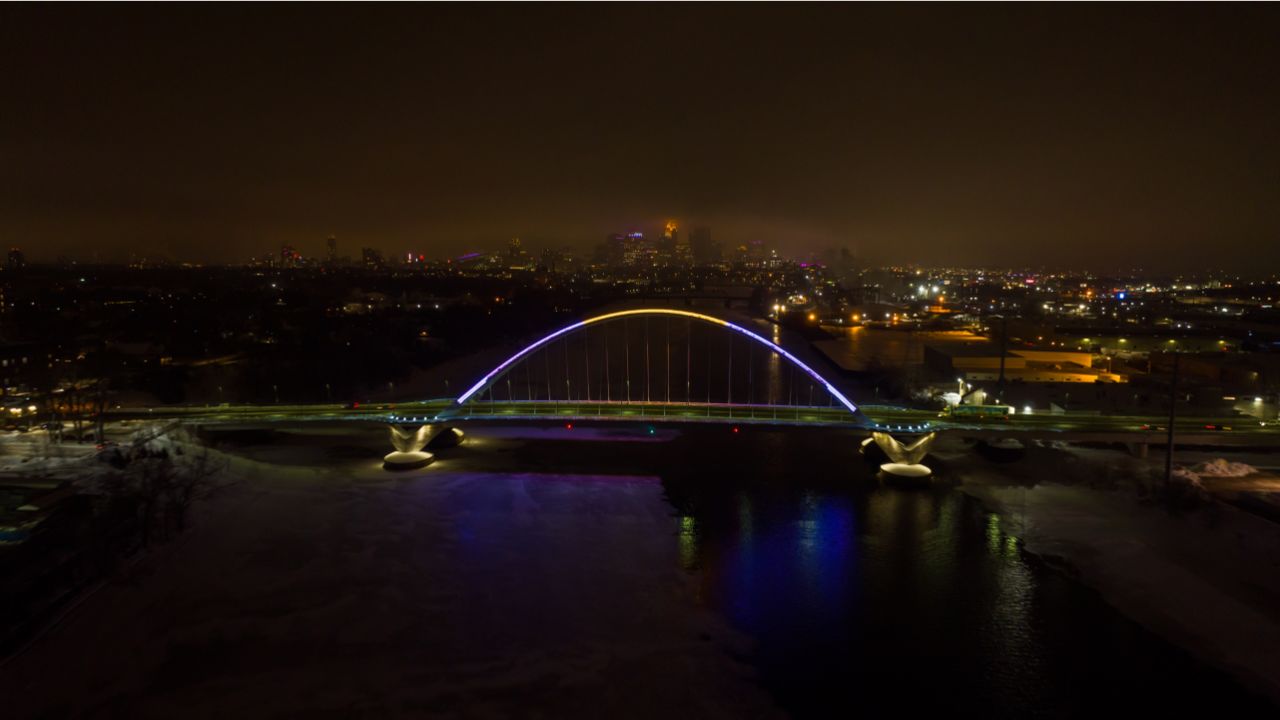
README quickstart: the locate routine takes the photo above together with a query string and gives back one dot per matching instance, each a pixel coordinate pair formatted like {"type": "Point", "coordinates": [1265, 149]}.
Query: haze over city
{"type": "Point", "coordinates": [1085, 137]}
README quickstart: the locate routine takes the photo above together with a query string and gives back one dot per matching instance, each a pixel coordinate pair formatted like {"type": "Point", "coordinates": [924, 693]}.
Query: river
{"type": "Point", "coordinates": [861, 597]}
{"type": "Point", "coordinates": [596, 572]}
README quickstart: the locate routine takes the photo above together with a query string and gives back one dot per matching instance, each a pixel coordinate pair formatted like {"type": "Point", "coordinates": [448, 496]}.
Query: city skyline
{"type": "Point", "coordinates": [210, 133]}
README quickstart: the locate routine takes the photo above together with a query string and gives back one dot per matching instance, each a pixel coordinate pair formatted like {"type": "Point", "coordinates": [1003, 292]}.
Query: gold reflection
{"type": "Point", "coordinates": [993, 532]}
{"type": "Point", "coordinates": [687, 540]}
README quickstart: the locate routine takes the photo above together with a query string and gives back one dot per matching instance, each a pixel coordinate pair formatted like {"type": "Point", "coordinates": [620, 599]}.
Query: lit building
{"type": "Point", "coordinates": [631, 250]}
{"type": "Point", "coordinates": [982, 363]}
{"type": "Point", "coordinates": [517, 257]}
{"type": "Point", "coordinates": [289, 257]}
{"type": "Point", "coordinates": [682, 250]}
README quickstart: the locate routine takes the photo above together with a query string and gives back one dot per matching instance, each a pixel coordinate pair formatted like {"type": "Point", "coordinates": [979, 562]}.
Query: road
{"type": "Point", "coordinates": [882, 417]}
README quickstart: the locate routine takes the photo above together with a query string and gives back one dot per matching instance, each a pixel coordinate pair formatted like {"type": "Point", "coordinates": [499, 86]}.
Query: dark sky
{"type": "Point", "coordinates": [1087, 136]}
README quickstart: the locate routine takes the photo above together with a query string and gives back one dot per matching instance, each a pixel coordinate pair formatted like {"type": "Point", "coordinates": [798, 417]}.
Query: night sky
{"type": "Point", "coordinates": [1082, 136]}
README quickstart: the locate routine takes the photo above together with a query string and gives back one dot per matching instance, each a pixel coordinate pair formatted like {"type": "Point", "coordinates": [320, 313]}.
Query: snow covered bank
{"type": "Point", "coordinates": [1208, 579]}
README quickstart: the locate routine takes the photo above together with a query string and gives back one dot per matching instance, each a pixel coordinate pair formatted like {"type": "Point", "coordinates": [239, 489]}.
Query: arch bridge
{"type": "Point", "coordinates": [652, 364]}
{"type": "Point", "coordinates": [655, 363]}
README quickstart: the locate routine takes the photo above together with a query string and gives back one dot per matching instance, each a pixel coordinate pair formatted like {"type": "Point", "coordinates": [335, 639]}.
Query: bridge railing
{"type": "Point", "coordinates": [654, 410]}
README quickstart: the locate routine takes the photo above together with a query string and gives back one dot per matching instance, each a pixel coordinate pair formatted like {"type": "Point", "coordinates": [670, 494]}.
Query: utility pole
{"type": "Point", "coordinates": [1004, 340]}
{"type": "Point", "coordinates": [1173, 413]}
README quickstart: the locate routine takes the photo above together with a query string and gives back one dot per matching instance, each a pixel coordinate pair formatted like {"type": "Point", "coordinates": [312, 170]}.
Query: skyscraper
{"type": "Point", "coordinates": [675, 250]}
{"type": "Point", "coordinates": [704, 250]}
{"type": "Point", "coordinates": [637, 251]}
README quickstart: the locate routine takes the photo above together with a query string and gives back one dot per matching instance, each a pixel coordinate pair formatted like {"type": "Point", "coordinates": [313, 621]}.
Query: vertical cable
{"type": "Point", "coordinates": [646, 359]}
{"type": "Point", "coordinates": [729, 386]}
{"type": "Point", "coordinates": [688, 360]}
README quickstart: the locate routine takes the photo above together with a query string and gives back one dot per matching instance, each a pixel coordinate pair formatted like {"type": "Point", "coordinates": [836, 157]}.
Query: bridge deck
{"type": "Point", "coordinates": [658, 412]}
{"type": "Point", "coordinates": [1069, 427]}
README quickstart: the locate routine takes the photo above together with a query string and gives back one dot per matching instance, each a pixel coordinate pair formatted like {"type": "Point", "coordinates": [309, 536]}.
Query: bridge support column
{"type": "Point", "coordinates": [904, 460]}
{"type": "Point", "coordinates": [410, 443]}
{"type": "Point", "coordinates": [1138, 449]}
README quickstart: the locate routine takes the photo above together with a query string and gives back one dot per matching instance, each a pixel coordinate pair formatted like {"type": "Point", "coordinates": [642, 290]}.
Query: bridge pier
{"type": "Point", "coordinates": [904, 460]}
{"type": "Point", "coordinates": [1138, 449]}
{"type": "Point", "coordinates": [410, 443]}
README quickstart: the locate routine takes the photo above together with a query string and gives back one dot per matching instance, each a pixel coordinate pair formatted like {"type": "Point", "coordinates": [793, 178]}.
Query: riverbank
{"type": "Point", "coordinates": [1206, 577]}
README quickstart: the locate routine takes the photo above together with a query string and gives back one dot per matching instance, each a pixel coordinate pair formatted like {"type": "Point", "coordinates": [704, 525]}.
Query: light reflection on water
{"type": "Point", "coordinates": [919, 601]}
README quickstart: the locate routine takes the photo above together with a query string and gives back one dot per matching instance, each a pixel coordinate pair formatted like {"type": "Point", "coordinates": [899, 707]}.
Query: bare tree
{"type": "Point", "coordinates": [196, 478]}
{"type": "Point", "coordinates": [100, 407]}
{"type": "Point", "coordinates": [143, 482]}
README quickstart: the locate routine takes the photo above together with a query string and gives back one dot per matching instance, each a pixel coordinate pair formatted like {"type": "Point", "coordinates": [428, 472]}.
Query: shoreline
{"type": "Point", "coordinates": [1156, 567]}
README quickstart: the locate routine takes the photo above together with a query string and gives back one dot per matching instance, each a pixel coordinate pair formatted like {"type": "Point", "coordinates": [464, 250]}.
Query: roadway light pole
{"type": "Point", "coordinates": [1004, 340]}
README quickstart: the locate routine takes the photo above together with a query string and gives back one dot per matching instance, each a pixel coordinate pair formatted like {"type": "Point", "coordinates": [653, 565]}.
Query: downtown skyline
{"type": "Point", "coordinates": [1047, 136]}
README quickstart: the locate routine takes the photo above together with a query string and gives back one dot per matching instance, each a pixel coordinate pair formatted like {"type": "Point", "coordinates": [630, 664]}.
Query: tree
{"type": "Point", "coordinates": [143, 482]}
{"type": "Point", "coordinates": [162, 483]}
{"type": "Point", "coordinates": [196, 478]}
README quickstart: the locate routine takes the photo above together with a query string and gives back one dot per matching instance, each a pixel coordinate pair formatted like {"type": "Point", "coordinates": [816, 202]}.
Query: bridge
{"type": "Point", "coordinates": [679, 366]}
{"type": "Point", "coordinates": [639, 365]}
{"type": "Point", "coordinates": [553, 377]}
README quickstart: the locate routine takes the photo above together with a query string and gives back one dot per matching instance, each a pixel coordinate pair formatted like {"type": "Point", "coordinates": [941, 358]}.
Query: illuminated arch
{"type": "Point", "coordinates": [494, 374]}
